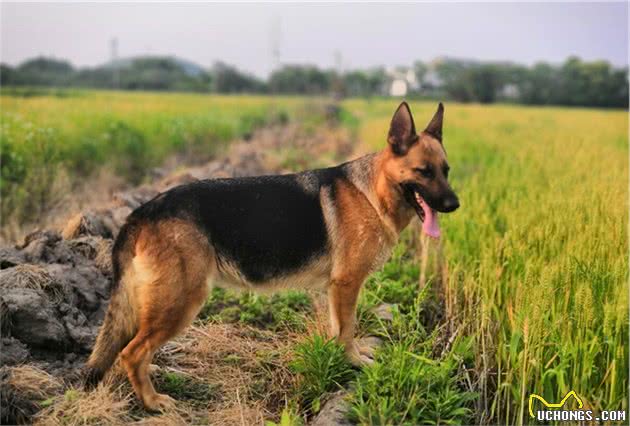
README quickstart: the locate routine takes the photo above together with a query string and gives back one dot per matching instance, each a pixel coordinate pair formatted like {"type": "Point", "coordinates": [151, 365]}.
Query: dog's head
{"type": "Point", "coordinates": [417, 163]}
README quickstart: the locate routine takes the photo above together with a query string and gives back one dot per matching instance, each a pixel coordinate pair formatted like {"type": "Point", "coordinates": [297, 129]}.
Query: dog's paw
{"type": "Point", "coordinates": [359, 356]}
{"type": "Point", "coordinates": [359, 360]}
{"type": "Point", "coordinates": [366, 351]}
{"type": "Point", "coordinates": [159, 402]}
{"type": "Point", "coordinates": [367, 346]}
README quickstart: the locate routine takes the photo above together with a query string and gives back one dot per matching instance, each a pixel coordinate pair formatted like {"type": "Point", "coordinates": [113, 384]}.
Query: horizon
{"type": "Point", "coordinates": [208, 68]}
{"type": "Point", "coordinates": [354, 36]}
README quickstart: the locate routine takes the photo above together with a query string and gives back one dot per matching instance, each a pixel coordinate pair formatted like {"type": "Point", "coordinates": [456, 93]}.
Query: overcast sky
{"type": "Point", "coordinates": [363, 34]}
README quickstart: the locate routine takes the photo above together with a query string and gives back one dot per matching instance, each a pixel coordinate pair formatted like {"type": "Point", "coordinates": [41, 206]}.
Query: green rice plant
{"type": "Point", "coordinates": [537, 254]}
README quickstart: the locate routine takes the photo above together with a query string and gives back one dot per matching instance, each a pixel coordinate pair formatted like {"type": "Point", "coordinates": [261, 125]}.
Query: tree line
{"type": "Point", "coordinates": [573, 82]}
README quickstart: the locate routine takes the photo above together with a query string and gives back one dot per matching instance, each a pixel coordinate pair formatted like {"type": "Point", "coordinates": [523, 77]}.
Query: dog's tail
{"type": "Point", "coordinates": [120, 325]}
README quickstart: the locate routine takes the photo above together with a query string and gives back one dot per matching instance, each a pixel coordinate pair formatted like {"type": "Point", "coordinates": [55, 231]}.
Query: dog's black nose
{"type": "Point", "coordinates": [451, 204]}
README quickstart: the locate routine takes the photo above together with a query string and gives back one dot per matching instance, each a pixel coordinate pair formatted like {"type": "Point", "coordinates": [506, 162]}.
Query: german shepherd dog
{"type": "Point", "coordinates": [326, 228]}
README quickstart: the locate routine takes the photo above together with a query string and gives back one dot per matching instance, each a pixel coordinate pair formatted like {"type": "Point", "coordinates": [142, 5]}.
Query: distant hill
{"type": "Point", "coordinates": [134, 73]}
{"type": "Point", "coordinates": [189, 68]}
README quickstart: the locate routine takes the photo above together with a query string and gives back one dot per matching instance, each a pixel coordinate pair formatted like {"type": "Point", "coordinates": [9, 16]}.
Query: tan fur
{"type": "Point", "coordinates": [360, 246]}
{"type": "Point", "coordinates": [118, 329]}
{"type": "Point", "coordinates": [167, 285]}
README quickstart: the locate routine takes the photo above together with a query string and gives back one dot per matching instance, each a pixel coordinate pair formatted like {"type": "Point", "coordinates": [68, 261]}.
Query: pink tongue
{"type": "Point", "coordinates": [430, 226]}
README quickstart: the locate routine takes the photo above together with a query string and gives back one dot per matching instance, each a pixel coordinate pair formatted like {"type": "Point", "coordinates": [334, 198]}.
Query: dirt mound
{"type": "Point", "coordinates": [53, 299]}
{"type": "Point", "coordinates": [55, 285]}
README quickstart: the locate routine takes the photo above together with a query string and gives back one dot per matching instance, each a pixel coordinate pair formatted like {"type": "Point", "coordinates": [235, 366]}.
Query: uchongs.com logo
{"type": "Point", "coordinates": [554, 412]}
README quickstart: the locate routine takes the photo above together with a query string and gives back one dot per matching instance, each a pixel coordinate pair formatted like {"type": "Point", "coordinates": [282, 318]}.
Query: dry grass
{"type": "Point", "coordinates": [34, 277]}
{"type": "Point", "coordinates": [106, 404]}
{"type": "Point", "coordinates": [24, 390]}
{"type": "Point", "coordinates": [242, 371]}
{"type": "Point", "coordinates": [167, 419]}
{"type": "Point", "coordinates": [247, 365]}
{"type": "Point", "coordinates": [34, 381]}
{"type": "Point", "coordinates": [103, 258]}
{"type": "Point", "coordinates": [98, 249]}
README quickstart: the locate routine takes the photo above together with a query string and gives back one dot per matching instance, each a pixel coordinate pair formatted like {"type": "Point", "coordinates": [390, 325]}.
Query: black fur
{"type": "Point", "coordinates": [267, 225]}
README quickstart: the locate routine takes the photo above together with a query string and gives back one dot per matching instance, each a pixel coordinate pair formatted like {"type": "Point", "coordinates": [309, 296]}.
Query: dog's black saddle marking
{"type": "Point", "coordinates": [268, 226]}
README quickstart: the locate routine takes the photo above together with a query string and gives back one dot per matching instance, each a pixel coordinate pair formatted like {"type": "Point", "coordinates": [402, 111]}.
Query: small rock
{"type": "Point", "coordinates": [333, 413]}
{"type": "Point", "coordinates": [16, 409]}
{"type": "Point", "coordinates": [384, 311]}
{"type": "Point", "coordinates": [103, 259]}
{"type": "Point", "coordinates": [34, 276]}
{"type": "Point", "coordinates": [22, 389]}
{"type": "Point", "coordinates": [46, 247]}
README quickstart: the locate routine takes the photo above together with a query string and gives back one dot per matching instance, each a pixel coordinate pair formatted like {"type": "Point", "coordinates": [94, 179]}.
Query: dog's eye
{"type": "Point", "coordinates": [426, 172]}
{"type": "Point", "coordinates": [446, 170]}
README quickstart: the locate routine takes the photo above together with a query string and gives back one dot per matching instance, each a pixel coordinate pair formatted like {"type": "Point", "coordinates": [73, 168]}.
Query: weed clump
{"type": "Point", "coordinates": [322, 367]}
{"type": "Point", "coordinates": [406, 386]}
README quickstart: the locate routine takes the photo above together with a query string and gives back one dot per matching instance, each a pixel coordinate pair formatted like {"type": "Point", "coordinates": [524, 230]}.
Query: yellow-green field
{"type": "Point", "coordinates": [534, 292]}
{"type": "Point", "coordinates": [75, 135]}
{"type": "Point", "coordinates": [538, 252]}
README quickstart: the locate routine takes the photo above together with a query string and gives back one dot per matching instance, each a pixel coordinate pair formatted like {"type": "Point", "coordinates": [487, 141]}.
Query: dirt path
{"type": "Point", "coordinates": [55, 289]}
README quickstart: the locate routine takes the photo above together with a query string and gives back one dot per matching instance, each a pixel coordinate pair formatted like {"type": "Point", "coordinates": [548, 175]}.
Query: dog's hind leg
{"type": "Point", "coordinates": [136, 358]}
{"type": "Point", "coordinates": [171, 270]}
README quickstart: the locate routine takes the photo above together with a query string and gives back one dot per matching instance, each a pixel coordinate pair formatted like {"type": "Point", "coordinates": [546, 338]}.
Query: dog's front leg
{"type": "Point", "coordinates": [342, 300]}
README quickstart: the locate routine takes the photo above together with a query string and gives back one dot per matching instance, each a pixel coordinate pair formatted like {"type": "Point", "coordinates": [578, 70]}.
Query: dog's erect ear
{"type": "Point", "coordinates": [435, 126]}
{"type": "Point", "coordinates": [402, 131]}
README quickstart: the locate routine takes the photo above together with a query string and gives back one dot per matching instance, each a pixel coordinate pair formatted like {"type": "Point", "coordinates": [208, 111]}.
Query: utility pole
{"type": "Point", "coordinates": [115, 65]}
{"type": "Point", "coordinates": [275, 39]}
{"type": "Point", "coordinates": [337, 84]}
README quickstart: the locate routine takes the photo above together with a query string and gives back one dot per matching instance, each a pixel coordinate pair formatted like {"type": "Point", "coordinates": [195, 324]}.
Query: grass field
{"type": "Point", "coordinates": [528, 292]}
{"type": "Point", "coordinates": [51, 144]}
